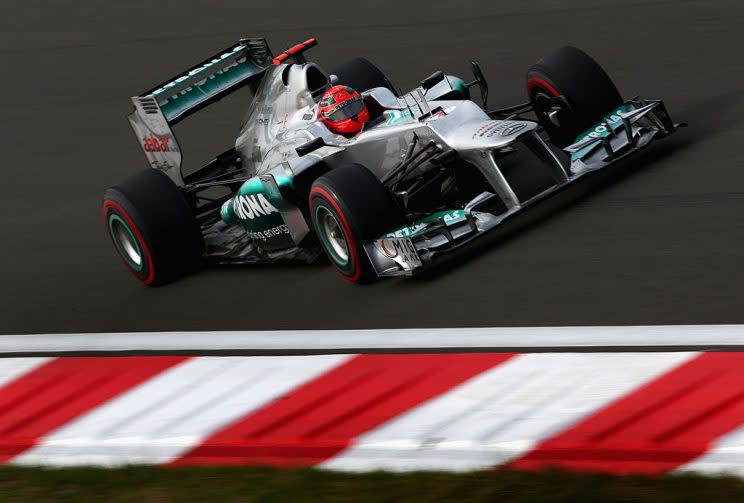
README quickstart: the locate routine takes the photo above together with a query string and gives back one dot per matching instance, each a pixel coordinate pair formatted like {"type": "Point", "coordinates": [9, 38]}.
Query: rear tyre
{"type": "Point", "coordinates": [153, 228]}
{"type": "Point", "coordinates": [362, 75]}
{"type": "Point", "coordinates": [348, 207]}
{"type": "Point", "coordinates": [570, 93]}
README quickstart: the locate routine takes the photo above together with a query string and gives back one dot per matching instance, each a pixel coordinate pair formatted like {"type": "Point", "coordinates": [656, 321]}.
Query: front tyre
{"type": "Point", "coordinates": [348, 207]}
{"type": "Point", "coordinates": [152, 228]}
{"type": "Point", "coordinates": [570, 93]}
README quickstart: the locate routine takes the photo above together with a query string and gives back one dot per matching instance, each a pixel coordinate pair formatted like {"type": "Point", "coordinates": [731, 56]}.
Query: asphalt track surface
{"type": "Point", "coordinates": [662, 245]}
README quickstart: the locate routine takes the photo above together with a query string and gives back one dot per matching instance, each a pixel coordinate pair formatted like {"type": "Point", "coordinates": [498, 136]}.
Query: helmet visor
{"type": "Point", "coordinates": [346, 109]}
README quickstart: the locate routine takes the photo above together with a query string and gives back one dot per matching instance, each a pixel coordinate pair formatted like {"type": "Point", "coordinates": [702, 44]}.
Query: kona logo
{"type": "Point", "coordinates": [250, 207]}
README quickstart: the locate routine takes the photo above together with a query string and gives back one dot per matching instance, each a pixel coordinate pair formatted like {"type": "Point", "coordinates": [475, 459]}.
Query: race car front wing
{"type": "Point", "coordinates": [624, 131]}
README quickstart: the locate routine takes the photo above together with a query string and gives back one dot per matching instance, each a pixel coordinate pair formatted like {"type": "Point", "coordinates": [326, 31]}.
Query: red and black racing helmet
{"type": "Point", "coordinates": [342, 110]}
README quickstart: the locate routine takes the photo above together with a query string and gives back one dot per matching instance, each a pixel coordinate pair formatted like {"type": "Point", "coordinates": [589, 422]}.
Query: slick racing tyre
{"type": "Point", "coordinates": [348, 207]}
{"type": "Point", "coordinates": [152, 227]}
{"type": "Point", "coordinates": [361, 75]}
{"type": "Point", "coordinates": [570, 93]}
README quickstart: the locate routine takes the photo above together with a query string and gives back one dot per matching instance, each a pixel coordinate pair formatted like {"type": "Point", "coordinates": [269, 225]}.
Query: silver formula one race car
{"type": "Point", "coordinates": [382, 181]}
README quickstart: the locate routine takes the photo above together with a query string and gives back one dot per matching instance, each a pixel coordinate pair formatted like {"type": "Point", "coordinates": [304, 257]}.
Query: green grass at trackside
{"type": "Point", "coordinates": [239, 484]}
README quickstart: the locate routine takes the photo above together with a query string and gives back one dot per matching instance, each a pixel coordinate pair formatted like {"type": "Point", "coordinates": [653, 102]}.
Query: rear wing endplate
{"type": "Point", "coordinates": [156, 110]}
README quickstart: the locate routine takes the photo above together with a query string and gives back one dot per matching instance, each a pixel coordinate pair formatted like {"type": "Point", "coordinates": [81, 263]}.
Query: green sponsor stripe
{"type": "Point", "coordinates": [201, 91]}
{"type": "Point", "coordinates": [600, 129]}
{"type": "Point", "coordinates": [449, 216]}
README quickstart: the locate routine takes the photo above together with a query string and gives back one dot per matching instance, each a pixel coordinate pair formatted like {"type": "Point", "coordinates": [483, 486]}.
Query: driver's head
{"type": "Point", "coordinates": [342, 110]}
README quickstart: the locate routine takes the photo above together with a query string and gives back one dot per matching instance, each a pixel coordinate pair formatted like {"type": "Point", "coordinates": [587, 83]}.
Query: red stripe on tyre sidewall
{"type": "Point", "coordinates": [109, 203]}
{"type": "Point", "coordinates": [537, 81]}
{"type": "Point", "coordinates": [352, 244]}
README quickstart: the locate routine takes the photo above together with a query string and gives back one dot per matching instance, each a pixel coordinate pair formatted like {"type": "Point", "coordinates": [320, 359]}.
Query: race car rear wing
{"type": "Point", "coordinates": [156, 110]}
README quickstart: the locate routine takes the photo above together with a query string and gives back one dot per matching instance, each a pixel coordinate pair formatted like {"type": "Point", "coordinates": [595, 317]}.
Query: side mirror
{"type": "Point", "coordinates": [432, 80]}
{"type": "Point", "coordinates": [481, 81]}
{"type": "Point", "coordinates": [310, 146]}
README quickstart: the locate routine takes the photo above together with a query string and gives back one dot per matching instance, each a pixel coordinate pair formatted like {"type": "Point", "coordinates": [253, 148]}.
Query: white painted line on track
{"type": "Point", "coordinates": [687, 337]}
